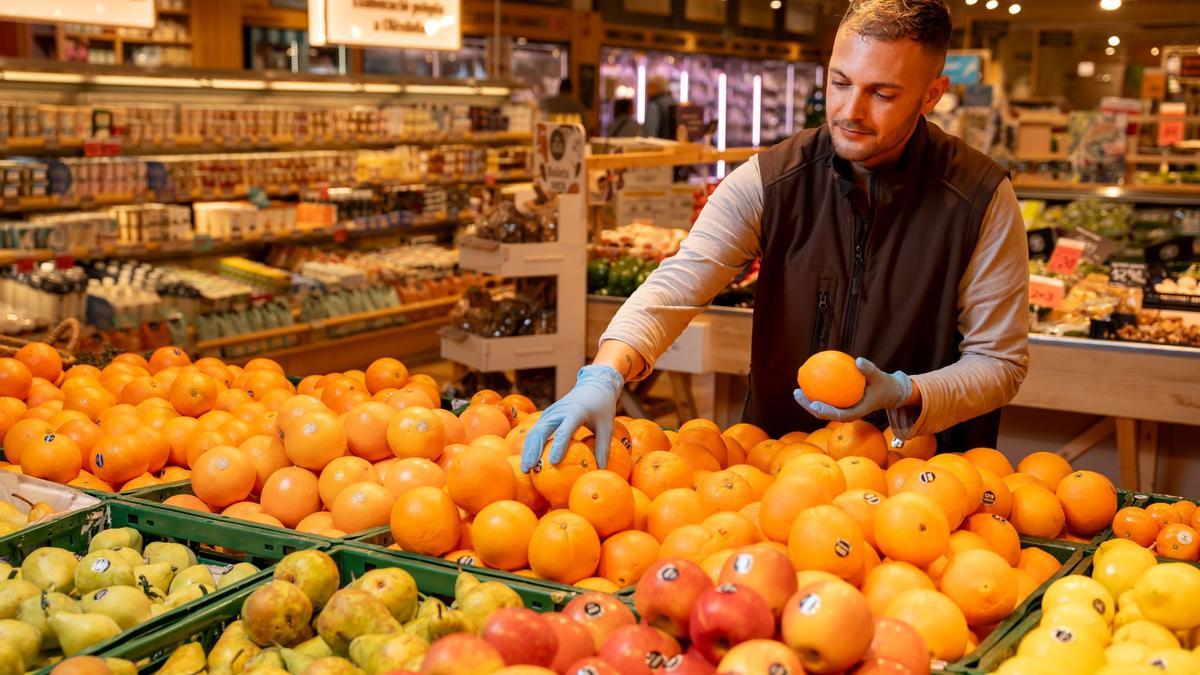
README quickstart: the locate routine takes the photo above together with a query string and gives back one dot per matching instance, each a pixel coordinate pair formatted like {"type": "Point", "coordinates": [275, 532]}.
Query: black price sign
{"type": "Point", "coordinates": [1041, 242]}
{"type": "Point", "coordinates": [1128, 274]}
{"type": "Point", "coordinates": [1096, 248]}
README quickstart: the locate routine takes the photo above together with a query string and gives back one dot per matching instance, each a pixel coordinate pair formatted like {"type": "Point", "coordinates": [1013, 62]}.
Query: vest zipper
{"type": "Point", "coordinates": [862, 234]}
{"type": "Point", "coordinates": [820, 334]}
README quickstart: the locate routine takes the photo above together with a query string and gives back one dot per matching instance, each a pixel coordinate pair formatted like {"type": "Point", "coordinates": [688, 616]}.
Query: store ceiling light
{"type": "Point", "coordinates": [1110, 5]}
{"type": "Point", "coordinates": [972, 2]}
{"type": "Point", "coordinates": [241, 85]}
{"type": "Point", "coordinates": [312, 86]}
{"type": "Point", "coordinates": [1014, 8]}
{"type": "Point", "coordinates": [1154, 51]}
{"type": "Point", "coordinates": [48, 78]}
{"type": "Point", "coordinates": [776, 4]}
{"type": "Point", "coordinates": [992, 4]}
{"type": "Point", "coordinates": [1085, 69]}
{"type": "Point", "coordinates": [136, 81]}
{"type": "Point", "coordinates": [1113, 40]}
{"type": "Point", "coordinates": [1110, 51]}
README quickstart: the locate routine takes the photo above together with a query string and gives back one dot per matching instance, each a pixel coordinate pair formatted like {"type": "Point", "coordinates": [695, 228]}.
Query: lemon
{"type": "Point", "coordinates": [1167, 593]}
{"type": "Point", "coordinates": [1110, 546]}
{"type": "Point", "coordinates": [1080, 590]}
{"type": "Point", "coordinates": [1127, 653]}
{"type": "Point", "coordinates": [1026, 665]}
{"type": "Point", "coordinates": [1129, 669]}
{"type": "Point", "coordinates": [1126, 599]}
{"type": "Point", "coordinates": [1121, 566]}
{"type": "Point", "coordinates": [1080, 618]}
{"type": "Point", "coordinates": [1147, 633]}
{"type": "Point", "coordinates": [1071, 652]}
{"type": "Point", "coordinates": [1175, 661]}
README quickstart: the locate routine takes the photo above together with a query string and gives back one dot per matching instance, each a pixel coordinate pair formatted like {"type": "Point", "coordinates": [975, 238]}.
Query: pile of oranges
{"type": "Point", "coordinates": [1171, 529]}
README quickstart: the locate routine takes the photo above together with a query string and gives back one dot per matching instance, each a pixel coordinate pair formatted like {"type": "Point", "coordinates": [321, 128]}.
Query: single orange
{"type": "Point", "coordinates": [831, 377]}
{"type": "Point", "coordinates": [725, 491]}
{"type": "Point", "coordinates": [784, 500]}
{"type": "Point", "coordinates": [481, 420]}
{"type": "Point", "coordinates": [863, 474]}
{"type": "Point", "coordinates": [52, 457]}
{"type": "Point", "coordinates": [187, 502]}
{"type": "Point", "coordinates": [425, 520]}
{"type": "Point", "coordinates": [384, 373]}
{"type": "Point", "coordinates": [564, 548]}
{"type": "Point", "coordinates": [416, 431]}
{"type": "Point", "coordinates": [658, 471]}
{"type": "Point", "coordinates": [222, 476]}
{"type": "Point", "coordinates": [917, 447]}
{"type": "Point", "coordinates": [991, 459]}
{"type": "Point", "coordinates": [789, 452]}
{"type": "Point", "coordinates": [1163, 514]}
{"type": "Point", "coordinates": [23, 433]}
{"type": "Point", "coordinates": [825, 538]}
{"type": "Point", "coordinates": [982, 584]}
{"type": "Point", "coordinates": [941, 485]}
{"type": "Point", "coordinates": [1039, 564]}
{"type": "Point", "coordinates": [314, 441]}
{"type": "Point", "coordinates": [966, 473]}
{"type": "Point", "coordinates": [477, 478]}
{"type": "Point", "coordinates": [858, 439]}
{"type": "Point", "coordinates": [1036, 511]}
{"type": "Point", "coordinates": [731, 529]}
{"type": "Point", "coordinates": [1089, 501]}
{"type": "Point", "coordinates": [554, 481]}
{"type": "Point", "coordinates": [1046, 467]}
{"type": "Point", "coordinates": [15, 378]}
{"type": "Point", "coordinates": [361, 506]}
{"type": "Point", "coordinates": [527, 494]}
{"type": "Point", "coordinates": [625, 556]}
{"type": "Point", "coordinates": [501, 533]}
{"type": "Point", "coordinates": [939, 621]}
{"type": "Point", "coordinates": [342, 473]}
{"type": "Point", "coordinates": [1174, 542]}
{"type": "Point", "coordinates": [166, 357]}
{"type": "Point", "coordinates": [604, 499]}
{"type": "Point", "coordinates": [1135, 524]}
{"type": "Point", "coordinates": [821, 468]}
{"type": "Point", "coordinates": [996, 498]}
{"type": "Point", "coordinates": [889, 579]}
{"type": "Point", "coordinates": [675, 508]}
{"type": "Point", "coordinates": [1001, 536]}
{"type": "Point", "coordinates": [861, 506]}
{"type": "Point", "coordinates": [911, 527]}
{"type": "Point", "coordinates": [117, 459]}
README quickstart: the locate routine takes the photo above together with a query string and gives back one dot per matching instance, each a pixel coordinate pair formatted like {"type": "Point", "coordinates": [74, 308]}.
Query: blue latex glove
{"type": "Point", "coordinates": [884, 391]}
{"type": "Point", "coordinates": [592, 403]}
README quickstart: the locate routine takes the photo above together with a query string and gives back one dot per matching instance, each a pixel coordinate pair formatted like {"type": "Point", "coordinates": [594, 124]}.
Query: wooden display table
{"type": "Point", "coordinates": [1132, 386]}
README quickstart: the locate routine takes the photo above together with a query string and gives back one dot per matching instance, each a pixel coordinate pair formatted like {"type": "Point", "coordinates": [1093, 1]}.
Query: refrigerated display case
{"type": "Point", "coordinates": [537, 65]}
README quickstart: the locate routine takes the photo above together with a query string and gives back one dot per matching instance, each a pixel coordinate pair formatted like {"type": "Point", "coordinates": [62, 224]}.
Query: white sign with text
{"type": "Point", "coordinates": [417, 24]}
{"type": "Point", "coordinates": [133, 13]}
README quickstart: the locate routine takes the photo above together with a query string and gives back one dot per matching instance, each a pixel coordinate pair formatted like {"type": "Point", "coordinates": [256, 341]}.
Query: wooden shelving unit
{"type": "Point", "coordinates": [119, 41]}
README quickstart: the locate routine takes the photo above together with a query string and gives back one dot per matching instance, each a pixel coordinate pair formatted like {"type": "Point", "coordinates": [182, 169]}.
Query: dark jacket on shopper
{"type": "Point", "coordinates": [821, 234]}
{"type": "Point", "coordinates": [657, 122]}
{"type": "Point", "coordinates": [625, 126]}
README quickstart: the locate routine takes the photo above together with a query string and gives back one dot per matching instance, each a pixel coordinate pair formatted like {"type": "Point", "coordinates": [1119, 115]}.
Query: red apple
{"type": "Point", "coordinates": [725, 616]}
{"type": "Point", "coordinates": [638, 649]}
{"type": "Point", "coordinates": [897, 641]}
{"type": "Point", "coordinates": [593, 665]}
{"type": "Point", "coordinates": [461, 654]}
{"type": "Point", "coordinates": [877, 665]}
{"type": "Point", "coordinates": [690, 663]}
{"type": "Point", "coordinates": [522, 636]}
{"type": "Point", "coordinates": [830, 626]}
{"type": "Point", "coordinates": [574, 641]}
{"type": "Point", "coordinates": [666, 592]}
{"type": "Point", "coordinates": [767, 570]}
{"type": "Point", "coordinates": [756, 657]}
{"type": "Point", "coordinates": [600, 614]}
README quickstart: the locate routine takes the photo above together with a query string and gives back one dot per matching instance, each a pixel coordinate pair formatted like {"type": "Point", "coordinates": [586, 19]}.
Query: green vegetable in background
{"type": "Point", "coordinates": [597, 274]}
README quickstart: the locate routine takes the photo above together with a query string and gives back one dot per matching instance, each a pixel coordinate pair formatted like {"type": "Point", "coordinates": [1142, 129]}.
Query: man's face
{"type": "Point", "coordinates": [875, 93]}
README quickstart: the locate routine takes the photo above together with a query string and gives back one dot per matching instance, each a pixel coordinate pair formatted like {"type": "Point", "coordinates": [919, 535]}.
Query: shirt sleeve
{"type": "Point", "coordinates": [725, 237]}
{"type": "Point", "coordinates": [993, 318]}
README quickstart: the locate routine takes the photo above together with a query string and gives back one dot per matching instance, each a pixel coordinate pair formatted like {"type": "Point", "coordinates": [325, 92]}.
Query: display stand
{"type": "Point", "coordinates": [565, 260]}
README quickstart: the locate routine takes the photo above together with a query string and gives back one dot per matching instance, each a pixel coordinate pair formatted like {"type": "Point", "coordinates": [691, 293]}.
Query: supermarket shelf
{"type": "Point", "coordinates": [501, 354]}
{"type": "Point", "coordinates": [511, 260]}
{"type": "Point", "coordinates": [679, 154]}
{"type": "Point", "coordinates": [1036, 188]}
{"type": "Point", "coordinates": [1163, 159]}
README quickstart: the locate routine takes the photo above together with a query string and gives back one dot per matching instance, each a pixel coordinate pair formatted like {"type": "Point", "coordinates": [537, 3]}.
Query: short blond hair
{"type": "Point", "coordinates": [926, 22]}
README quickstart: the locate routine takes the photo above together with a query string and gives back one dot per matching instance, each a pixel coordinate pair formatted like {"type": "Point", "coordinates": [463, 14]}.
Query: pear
{"type": "Point", "coordinates": [431, 607]}
{"type": "Point", "coordinates": [351, 613]}
{"type": "Point", "coordinates": [116, 538]}
{"type": "Point", "coordinates": [480, 601]}
{"type": "Point", "coordinates": [232, 650]}
{"type": "Point", "coordinates": [124, 604]}
{"type": "Point", "coordinates": [6, 570]}
{"type": "Point", "coordinates": [236, 573]}
{"type": "Point", "coordinates": [266, 658]}
{"type": "Point", "coordinates": [11, 661]}
{"type": "Point", "coordinates": [332, 665]}
{"type": "Point", "coordinates": [465, 582]}
{"type": "Point", "coordinates": [120, 666]}
{"type": "Point", "coordinates": [50, 569]}
{"type": "Point", "coordinates": [179, 556]}
{"type": "Point", "coordinates": [130, 556]}
{"type": "Point", "coordinates": [296, 662]}
{"type": "Point", "coordinates": [276, 614]}
{"type": "Point", "coordinates": [185, 595]}
{"type": "Point", "coordinates": [314, 572]}
{"type": "Point", "coordinates": [26, 638]}
{"type": "Point", "coordinates": [158, 575]}
{"type": "Point", "coordinates": [264, 670]}
{"type": "Point", "coordinates": [36, 610]}
{"type": "Point", "coordinates": [431, 628]}
{"type": "Point", "coordinates": [12, 593]}
{"type": "Point", "coordinates": [196, 574]}
{"type": "Point", "coordinates": [38, 512]}
{"type": "Point", "coordinates": [315, 648]}
{"type": "Point", "coordinates": [187, 659]}
{"type": "Point", "coordinates": [77, 632]}
{"type": "Point", "coordinates": [394, 587]}
{"type": "Point", "coordinates": [378, 654]}
{"type": "Point", "coordinates": [13, 516]}
{"type": "Point", "coordinates": [102, 569]}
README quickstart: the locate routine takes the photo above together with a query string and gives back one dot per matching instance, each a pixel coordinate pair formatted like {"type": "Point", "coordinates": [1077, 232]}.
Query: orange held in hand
{"type": "Point", "coordinates": [831, 377]}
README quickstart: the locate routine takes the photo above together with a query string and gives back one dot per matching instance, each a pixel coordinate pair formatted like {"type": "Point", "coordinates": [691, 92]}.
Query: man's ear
{"type": "Point", "coordinates": [934, 93]}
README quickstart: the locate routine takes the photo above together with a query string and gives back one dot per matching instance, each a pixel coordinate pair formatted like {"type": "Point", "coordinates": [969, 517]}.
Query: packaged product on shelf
{"type": "Point", "coordinates": [507, 223]}
{"type": "Point", "coordinates": [43, 297]}
{"type": "Point", "coordinates": [528, 307]}
{"type": "Point", "coordinates": [152, 223]}
{"type": "Point", "coordinates": [264, 278]}
{"type": "Point", "coordinates": [232, 221]}
{"type": "Point", "coordinates": [23, 178]}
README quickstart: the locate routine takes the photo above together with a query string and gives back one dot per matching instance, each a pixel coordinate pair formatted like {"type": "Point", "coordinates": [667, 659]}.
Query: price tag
{"type": "Point", "coordinates": [64, 261]}
{"type": "Point", "coordinates": [1040, 241]}
{"type": "Point", "coordinates": [1097, 247]}
{"type": "Point", "coordinates": [1046, 291]}
{"type": "Point", "coordinates": [1128, 274]}
{"type": "Point", "coordinates": [339, 235]}
{"type": "Point", "coordinates": [1066, 256]}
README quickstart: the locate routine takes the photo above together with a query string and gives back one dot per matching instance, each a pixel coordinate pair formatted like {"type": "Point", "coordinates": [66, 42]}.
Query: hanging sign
{"type": "Point", "coordinates": [416, 24]}
{"type": "Point", "coordinates": [132, 13]}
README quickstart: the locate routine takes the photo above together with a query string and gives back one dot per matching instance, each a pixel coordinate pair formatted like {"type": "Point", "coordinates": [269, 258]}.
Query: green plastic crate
{"type": "Point", "coordinates": [215, 543]}
{"type": "Point", "coordinates": [206, 623]}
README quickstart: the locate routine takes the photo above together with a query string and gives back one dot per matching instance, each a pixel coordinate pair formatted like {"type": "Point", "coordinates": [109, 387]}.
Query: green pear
{"type": "Point", "coordinates": [465, 582]}
{"type": "Point", "coordinates": [431, 607]}
{"type": "Point", "coordinates": [431, 628]}
{"type": "Point", "coordinates": [13, 516]}
{"type": "Point", "coordinates": [6, 570]}
{"type": "Point", "coordinates": [102, 569]}
{"type": "Point", "coordinates": [236, 573]}
{"type": "Point", "coordinates": [11, 661]}
{"type": "Point", "coordinates": [12, 593]}
{"type": "Point", "coordinates": [26, 638]}
{"type": "Point", "coordinates": [276, 614]}
{"type": "Point", "coordinates": [480, 601]}
{"type": "Point", "coordinates": [130, 556]}
{"type": "Point", "coordinates": [179, 556]}
{"type": "Point", "coordinates": [120, 666]}
{"type": "Point", "coordinates": [77, 632]}
{"type": "Point", "coordinates": [50, 569]}
{"type": "Point", "coordinates": [116, 538]}
{"type": "Point", "coordinates": [187, 659]}
{"type": "Point", "coordinates": [124, 604]}
{"type": "Point", "coordinates": [232, 650]}
{"type": "Point", "coordinates": [158, 575]}
{"type": "Point", "coordinates": [266, 658]}
{"type": "Point", "coordinates": [332, 665]}
{"type": "Point", "coordinates": [351, 613]}
{"type": "Point", "coordinates": [296, 661]}
{"type": "Point", "coordinates": [313, 572]}
{"type": "Point", "coordinates": [394, 587]}
{"type": "Point", "coordinates": [264, 670]}
{"type": "Point", "coordinates": [315, 648]}
{"type": "Point", "coordinates": [185, 595]}
{"type": "Point", "coordinates": [36, 610]}
{"type": "Point", "coordinates": [196, 574]}
{"type": "Point", "coordinates": [378, 654]}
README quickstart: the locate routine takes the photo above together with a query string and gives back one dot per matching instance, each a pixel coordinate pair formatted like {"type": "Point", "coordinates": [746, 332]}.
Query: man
{"type": "Point", "coordinates": [879, 236]}
{"type": "Point", "coordinates": [623, 123]}
{"type": "Point", "coordinates": [657, 123]}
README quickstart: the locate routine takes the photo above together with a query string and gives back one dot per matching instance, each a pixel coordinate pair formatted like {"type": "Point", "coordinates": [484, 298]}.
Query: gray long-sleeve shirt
{"type": "Point", "coordinates": [992, 316]}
